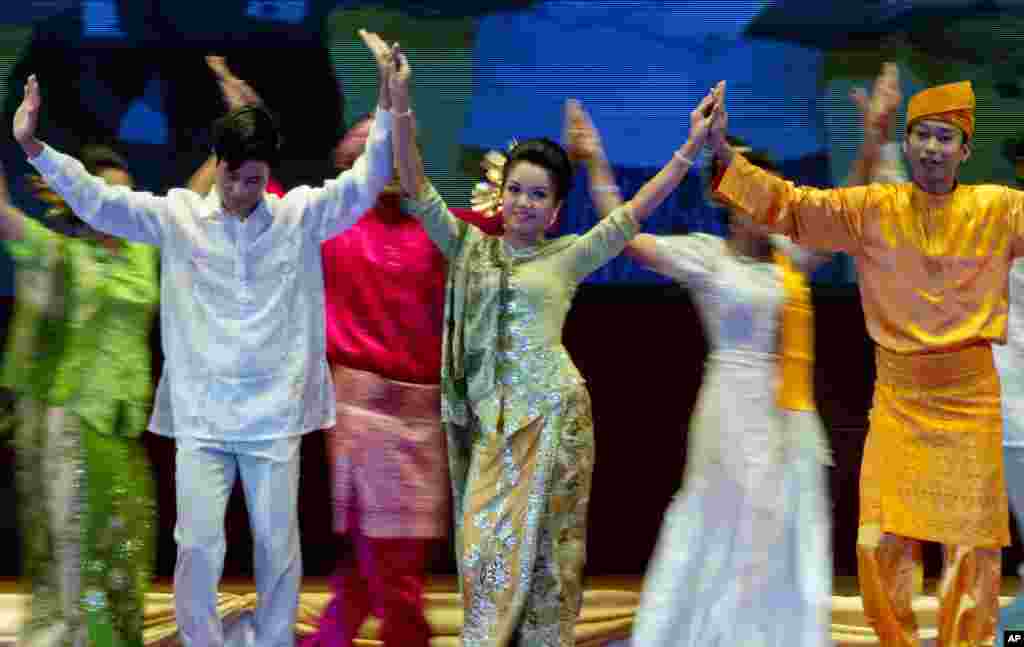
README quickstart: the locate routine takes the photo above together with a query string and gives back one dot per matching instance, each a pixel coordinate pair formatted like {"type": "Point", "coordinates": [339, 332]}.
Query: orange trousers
{"type": "Point", "coordinates": [890, 572]}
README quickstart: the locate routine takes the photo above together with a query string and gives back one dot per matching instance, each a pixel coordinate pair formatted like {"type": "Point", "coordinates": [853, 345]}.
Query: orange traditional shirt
{"type": "Point", "coordinates": [932, 268]}
{"type": "Point", "coordinates": [933, 273]}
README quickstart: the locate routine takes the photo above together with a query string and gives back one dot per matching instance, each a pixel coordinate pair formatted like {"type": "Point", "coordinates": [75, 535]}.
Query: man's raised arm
{"type": "Point", "coordinates": [820, 219]}
{"type": "Point", "coordinates": [116, 210]}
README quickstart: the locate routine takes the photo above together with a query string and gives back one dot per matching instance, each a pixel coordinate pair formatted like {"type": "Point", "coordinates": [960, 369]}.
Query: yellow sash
{"type": "Point", "coordinates": [796, 344]}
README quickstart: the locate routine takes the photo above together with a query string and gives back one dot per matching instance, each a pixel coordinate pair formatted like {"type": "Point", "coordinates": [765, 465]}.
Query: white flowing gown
{"type": "Point", "coordinates": [744, 555]}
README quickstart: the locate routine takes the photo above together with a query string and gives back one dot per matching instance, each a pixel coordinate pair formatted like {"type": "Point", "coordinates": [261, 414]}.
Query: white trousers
{"type": "Point", "coordinates": [205, 474]}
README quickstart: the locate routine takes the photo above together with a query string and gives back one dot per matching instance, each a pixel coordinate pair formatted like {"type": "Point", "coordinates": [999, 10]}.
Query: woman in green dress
{"type": "Point", "coordinates": [515, 408]}
{"type": "Point", "coordinates": [78, 362]}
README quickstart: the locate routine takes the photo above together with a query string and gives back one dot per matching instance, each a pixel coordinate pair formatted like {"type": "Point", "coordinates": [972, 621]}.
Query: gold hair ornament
{"type": "Point", "coordinates": [486, 198]}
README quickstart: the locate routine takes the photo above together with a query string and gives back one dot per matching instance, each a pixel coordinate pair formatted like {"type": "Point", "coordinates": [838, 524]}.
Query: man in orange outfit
{"type": "Point", "coordinates": [933, 257]}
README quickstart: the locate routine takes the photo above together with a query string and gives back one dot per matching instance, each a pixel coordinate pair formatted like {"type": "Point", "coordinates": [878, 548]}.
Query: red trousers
{"type": "Point", "coordinates": [383, 576]}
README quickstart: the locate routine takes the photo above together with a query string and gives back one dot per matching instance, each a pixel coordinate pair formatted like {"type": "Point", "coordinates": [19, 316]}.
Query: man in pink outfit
{"type": "Point", "coordinates": [384, 282]}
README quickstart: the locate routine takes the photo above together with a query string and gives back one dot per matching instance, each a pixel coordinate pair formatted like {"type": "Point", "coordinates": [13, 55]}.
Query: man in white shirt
{"type": "Point", "coordinates": [242, 312]}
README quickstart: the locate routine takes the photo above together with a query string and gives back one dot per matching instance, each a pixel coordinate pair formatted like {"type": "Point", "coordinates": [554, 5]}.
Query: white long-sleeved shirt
{"type": "Point", "coordinates": [242, 302]}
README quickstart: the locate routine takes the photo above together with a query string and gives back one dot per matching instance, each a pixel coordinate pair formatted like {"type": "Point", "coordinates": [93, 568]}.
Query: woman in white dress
{"type": "Point", "coordinates": [744, 556]}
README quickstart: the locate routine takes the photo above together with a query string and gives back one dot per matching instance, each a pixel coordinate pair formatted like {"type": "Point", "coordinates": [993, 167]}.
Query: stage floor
{"type": "Point", "coordinates": [606, 620]}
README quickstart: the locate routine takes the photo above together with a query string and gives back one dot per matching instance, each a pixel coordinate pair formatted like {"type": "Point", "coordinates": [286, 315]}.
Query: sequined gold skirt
{"type": "Point", "coordinates": [933, 466]}
{"type": "Point", "coordinates": [521, 541]}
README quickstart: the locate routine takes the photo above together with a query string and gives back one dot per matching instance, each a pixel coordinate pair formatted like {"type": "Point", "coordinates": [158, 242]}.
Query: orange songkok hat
{"type": "Point", "coordinates": [952, 103]}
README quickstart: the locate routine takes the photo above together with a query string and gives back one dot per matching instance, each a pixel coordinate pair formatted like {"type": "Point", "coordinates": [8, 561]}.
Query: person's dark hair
{"type": "Point", "coordinates": [548, 155]}
{"type": "Point", "coordinates": [97, 157]}
{"type": "Point", "coordinates": [758, 158]}
{"type": "Point", "coordinates": [249, 133]}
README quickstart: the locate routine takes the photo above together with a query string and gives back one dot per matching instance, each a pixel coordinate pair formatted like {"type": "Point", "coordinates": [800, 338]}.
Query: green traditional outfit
{"type": "Point", "coordinates": [518, 424]}
{"type": "Point", "coordinates": [78, 361]}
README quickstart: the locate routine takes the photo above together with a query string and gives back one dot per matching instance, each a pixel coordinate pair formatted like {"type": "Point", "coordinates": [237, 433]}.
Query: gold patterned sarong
{"type": "Point", "coordinates": [933, 466]}
{"type": "Point", "coordinates": [521, 542]}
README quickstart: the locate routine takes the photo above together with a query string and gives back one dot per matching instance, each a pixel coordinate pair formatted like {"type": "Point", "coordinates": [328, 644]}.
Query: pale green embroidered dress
{"type": "Point", "coordinates": [518, 423]}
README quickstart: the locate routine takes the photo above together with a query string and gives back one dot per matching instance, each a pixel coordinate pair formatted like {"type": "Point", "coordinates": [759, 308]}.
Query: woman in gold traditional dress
{"type": "Point", "coordinates": [515, 408]}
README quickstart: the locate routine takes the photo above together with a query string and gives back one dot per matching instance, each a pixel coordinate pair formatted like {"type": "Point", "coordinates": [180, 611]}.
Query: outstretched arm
{"type": "Point", "coordinates": [612, 235]}
{"type": "Point", "coordinates": [877, 117]}
{"type": "Point", "coordinates": [823, 219]}
{"type": "Point", "coordinates": [422, 201]}
{"type": "Point", "coordinates": [655, 190]}
{"type": "Point", "coordinates": [407, 150]}
{"type": "Point", "coordinates": [687, 259]}
{"type": "Point", "coordinates": [584, 142]}
{"type": "Point", "coordinates": [337, 205]}
{"type": "Point", "coordinates": [644, 249]}
{"type": "Point", "coordinates": [116, 210]}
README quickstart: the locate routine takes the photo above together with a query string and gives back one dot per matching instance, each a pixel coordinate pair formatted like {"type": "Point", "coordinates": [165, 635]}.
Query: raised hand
{"type": "Point", "coordinates": [383, 55]}
{"type": "Point", "coordinates": [719, 119]}
{"type": "Point", "coordinates": [398, 79]}
{"type": "Point", "coordinates": [703, 117]}
{"type": "Point", "coordinates": [878, 109]}
{"type": "Point", "coordinates": [581, 138]}
{"type": "Point", "coordinates": [27, 116]}
{"type": "Point", "coordinates": [380, 50]}
{"type": "Point", "coordinates": [236, 92]}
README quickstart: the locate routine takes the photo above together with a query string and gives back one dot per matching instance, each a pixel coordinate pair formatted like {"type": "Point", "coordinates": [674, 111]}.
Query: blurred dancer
{"type": "Point", "coordinates": [384, 287]}
{"type": "Point", "coordinates": [78, 361]}
{"type": "Point", "coordinates": [744, 555]}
